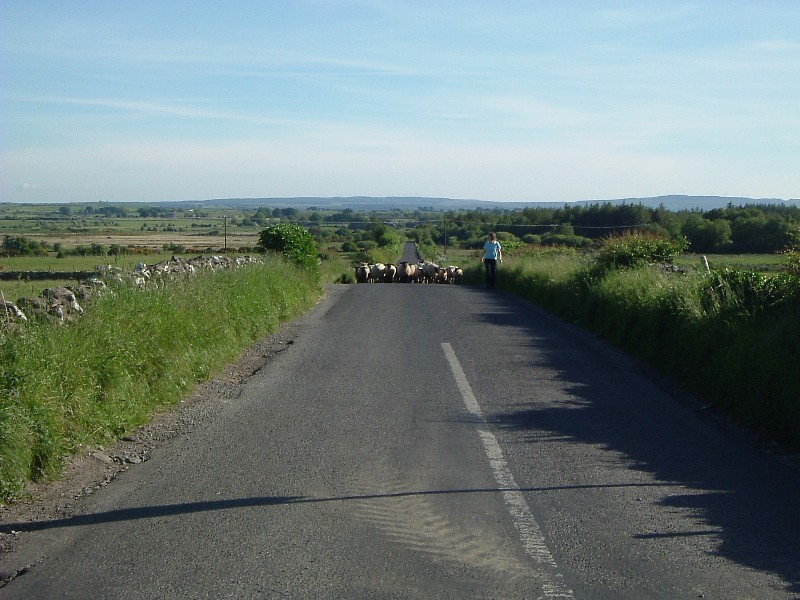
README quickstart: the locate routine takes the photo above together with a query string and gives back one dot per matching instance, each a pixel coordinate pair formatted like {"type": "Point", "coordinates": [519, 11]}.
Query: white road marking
{"type": "Point", "coordinates": [528, 528]}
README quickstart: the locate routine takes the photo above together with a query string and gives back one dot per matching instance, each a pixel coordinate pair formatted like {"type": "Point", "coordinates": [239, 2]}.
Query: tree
{"type": "Point", "coordinates": [705, 235]}
{"type": "Point", "coordinates": [295, 242]}
{"type": "Point", "coordinates": [760, 234]}
{"type": "Point", "coordinates": [22, 246]}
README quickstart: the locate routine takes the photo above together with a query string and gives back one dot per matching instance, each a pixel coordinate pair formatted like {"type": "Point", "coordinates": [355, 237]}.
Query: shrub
{"type": "Point", "coordinates": [22, 246]}
{"type": "Point", "coordinates": [367, 245]}
{"type": "Point", "coordinates": [638, 248]}
{"type": "Point", "coordinates": [747, 293]}
{"type": "Point", "coordinates": [294, 241]}
{"type": "Point", "coordinates": [560, 239]}
{"type": "Point", "coordinates": [793, 262]}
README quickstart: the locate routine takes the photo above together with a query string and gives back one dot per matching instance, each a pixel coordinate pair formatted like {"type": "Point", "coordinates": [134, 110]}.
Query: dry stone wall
{"type": "Point", "coordinates": [62, 304]}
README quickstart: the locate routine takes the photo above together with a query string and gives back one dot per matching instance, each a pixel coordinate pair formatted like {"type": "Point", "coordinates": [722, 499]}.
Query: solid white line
{"type": "Point", "coordinates": [528, 528]}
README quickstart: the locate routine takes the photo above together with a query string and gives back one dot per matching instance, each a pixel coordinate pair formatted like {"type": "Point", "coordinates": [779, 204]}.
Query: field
{"type": "Point", "coordinates": [202, 229]}
{"type": "Point", "coordinates": [753, 262]}
{"type": "Point", "coordinates": [121, 241]}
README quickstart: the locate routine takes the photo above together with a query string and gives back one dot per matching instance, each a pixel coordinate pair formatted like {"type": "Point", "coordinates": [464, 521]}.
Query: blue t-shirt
{"type": "Point", "coordinates": [491, 249]}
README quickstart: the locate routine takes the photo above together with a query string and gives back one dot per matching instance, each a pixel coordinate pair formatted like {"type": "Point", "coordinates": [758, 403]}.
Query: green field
{"type": "Point", "coordinates": [753, 262]}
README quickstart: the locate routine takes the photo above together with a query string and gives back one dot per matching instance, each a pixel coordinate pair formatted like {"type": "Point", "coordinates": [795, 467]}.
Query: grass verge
{"type": "Point", "coordinates": [91, 381]}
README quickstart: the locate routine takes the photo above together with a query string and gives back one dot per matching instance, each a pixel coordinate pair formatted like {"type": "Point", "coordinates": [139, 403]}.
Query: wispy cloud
{"type": "Point", "coordinates": [163, 108]}
{"type": "Point", "coordinates": [519, 101]}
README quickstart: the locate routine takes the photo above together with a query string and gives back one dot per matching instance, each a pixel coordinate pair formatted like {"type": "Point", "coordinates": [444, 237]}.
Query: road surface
{"type": "Point", "coordinates": [434, 441]}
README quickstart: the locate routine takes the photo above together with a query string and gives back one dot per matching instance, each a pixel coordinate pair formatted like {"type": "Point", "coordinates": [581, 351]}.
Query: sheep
{"type": "Point", "coordinates": [376, 272]}
{"type": "Point", "coordinates": [406, 272]}
{"type": "Point", "coordinates": [454, 274]}
{"type": "Point", "coordinates": [430, 270]}
{"type": "Point", "coordinates": [390, 274]}
{"type": "Point", "coordinates": [419, 274]}
{"type": "Point", "coordinates": [362, 273]}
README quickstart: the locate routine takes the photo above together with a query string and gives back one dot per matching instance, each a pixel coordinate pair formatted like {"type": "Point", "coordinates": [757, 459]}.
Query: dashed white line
{"type": "Point", "coordinates": [526, 525]}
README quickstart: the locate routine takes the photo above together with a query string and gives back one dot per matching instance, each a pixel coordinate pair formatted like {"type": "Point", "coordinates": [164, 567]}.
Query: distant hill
{"type": "Point", "coordinates": [674, 203]}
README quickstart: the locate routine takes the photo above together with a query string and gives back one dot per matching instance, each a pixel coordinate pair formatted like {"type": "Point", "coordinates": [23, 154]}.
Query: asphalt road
{"type": "Point", "coordinates": [424, 441]}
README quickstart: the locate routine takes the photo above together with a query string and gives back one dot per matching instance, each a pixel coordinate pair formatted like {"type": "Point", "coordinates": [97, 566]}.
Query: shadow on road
{"type": "Point", "coordinates": [749, 499]}
{"type": "Point", "coordinates": [172, 510]}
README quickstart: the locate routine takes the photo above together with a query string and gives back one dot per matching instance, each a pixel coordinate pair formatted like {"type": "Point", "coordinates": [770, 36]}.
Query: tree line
{"type": "Point", "coordinates": [735, 229]}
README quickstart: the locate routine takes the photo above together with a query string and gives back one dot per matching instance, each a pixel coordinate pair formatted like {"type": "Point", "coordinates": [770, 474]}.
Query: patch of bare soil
{"type": "Point", "coordinates": [93, 468]}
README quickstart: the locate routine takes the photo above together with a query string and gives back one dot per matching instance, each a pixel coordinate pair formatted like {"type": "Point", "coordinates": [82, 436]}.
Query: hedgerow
{"type": "Point", "coordinates": [730, 336]}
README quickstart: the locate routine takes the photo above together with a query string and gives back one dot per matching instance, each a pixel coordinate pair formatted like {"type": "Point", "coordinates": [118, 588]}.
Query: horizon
{"type": "Point", "coordinates": [528, 102]}
{"type": "Point", "coordinates": [671, 201]}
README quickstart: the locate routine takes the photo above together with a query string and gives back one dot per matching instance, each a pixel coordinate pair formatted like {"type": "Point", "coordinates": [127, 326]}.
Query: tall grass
{"type": "Point", "coordinates": [92, 380]}
{"type": "Point", "coordinates": [730, 336]}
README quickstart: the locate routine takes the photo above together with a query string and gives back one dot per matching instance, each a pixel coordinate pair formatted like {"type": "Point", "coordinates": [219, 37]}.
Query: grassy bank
{"type": "Point", "coordinates": [730, 336]}
{"type": "Point", "coordinates": [90, 381]}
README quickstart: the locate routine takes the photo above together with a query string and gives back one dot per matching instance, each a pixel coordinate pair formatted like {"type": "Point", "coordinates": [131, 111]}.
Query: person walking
{"type": "Point", "coordinates": [492, 252]}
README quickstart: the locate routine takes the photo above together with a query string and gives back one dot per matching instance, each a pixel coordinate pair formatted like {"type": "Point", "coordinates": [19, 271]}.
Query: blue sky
{"type": "Point", "coordinates": [524, 101]}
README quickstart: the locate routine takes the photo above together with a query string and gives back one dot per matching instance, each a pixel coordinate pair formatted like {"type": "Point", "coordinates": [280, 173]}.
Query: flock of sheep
{"type": "Point", "coordinates": [60, 304]}
{"type": "Point", "coordinates": [407, 272]}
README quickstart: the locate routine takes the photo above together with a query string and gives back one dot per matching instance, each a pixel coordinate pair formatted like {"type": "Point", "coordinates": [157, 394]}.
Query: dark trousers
{"type": "Point", "coordinates": [491, 271]}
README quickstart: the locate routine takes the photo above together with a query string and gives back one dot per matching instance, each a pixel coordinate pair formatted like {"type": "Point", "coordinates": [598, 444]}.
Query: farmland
{"type": "Point", "coordinates": [130, 228]}
{"type": "Point", "coordinates": [78, 241]}
{"type": "Point", "coordinates": [694, 325]}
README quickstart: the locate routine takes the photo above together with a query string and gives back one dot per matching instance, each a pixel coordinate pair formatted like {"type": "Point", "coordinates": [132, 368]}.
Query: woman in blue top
{"type": "Point", "coordinates": [492, 252]}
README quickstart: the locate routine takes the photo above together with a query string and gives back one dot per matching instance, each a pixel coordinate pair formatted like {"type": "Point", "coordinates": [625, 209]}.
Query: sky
{"type": "Point", "coordinates": [496, 100]}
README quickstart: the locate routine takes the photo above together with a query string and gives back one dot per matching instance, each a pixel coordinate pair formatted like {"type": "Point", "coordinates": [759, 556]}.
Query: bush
{"type": "Point", "coordinates": [294, 241]}
{"type": "Point", "coordinates": [746, 293]}
{"type": "Point", "coordinates": [793, 262]}
{"type": "Point", "coordinates": [632, 249]}
{"type": "Point", "coordinates": [560, 239]}
{"type": "Point", "coordinates": [22, 246]}
{"type": "Point", "coordinates": [367, 245]}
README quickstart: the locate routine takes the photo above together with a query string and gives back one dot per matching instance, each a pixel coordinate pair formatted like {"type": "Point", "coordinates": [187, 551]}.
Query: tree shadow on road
{"type": "Point", "coordinates": [185, 508]}
{"type": "Point", "coordinates": [749, 499]}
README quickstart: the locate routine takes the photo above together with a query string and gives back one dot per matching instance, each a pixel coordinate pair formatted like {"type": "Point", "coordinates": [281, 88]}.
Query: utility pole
{"type": "Point", "coordinates": [225, 230]}
{"type": "Point", "coordinates": [445, 239]}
